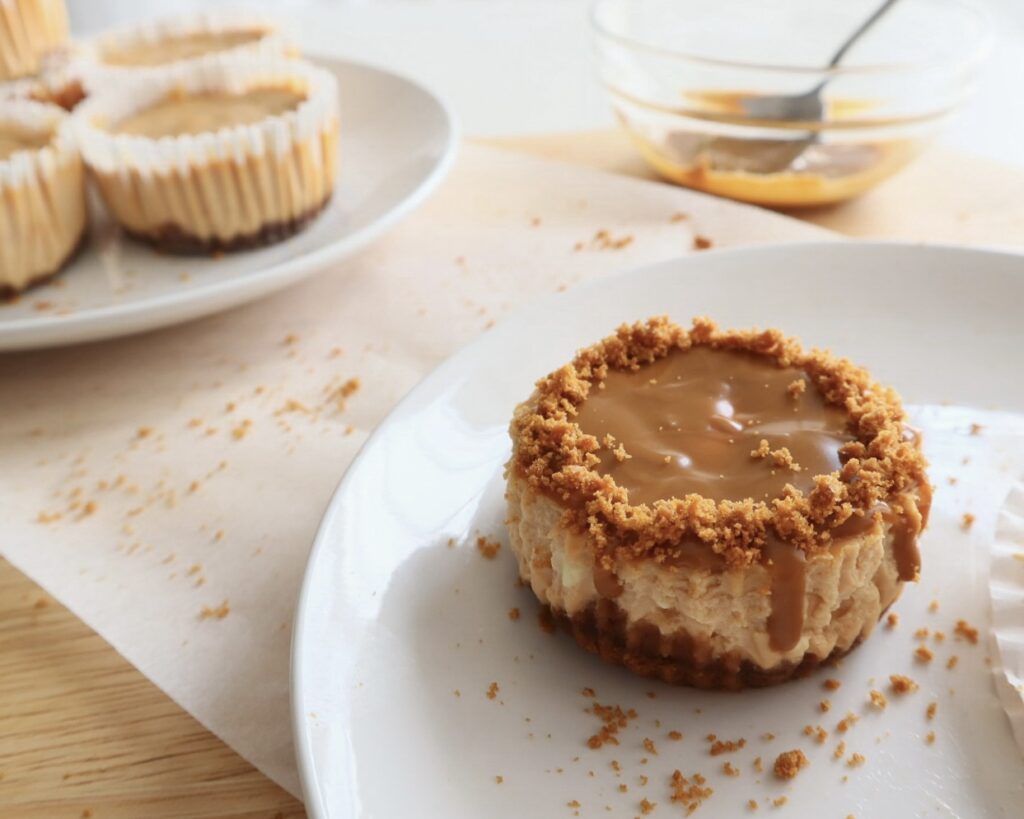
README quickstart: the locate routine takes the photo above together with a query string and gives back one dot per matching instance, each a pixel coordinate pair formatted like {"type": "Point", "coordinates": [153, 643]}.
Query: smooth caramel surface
{"type": "Point", "coordinates": [209, 112]}
{"type": "Point", "coordinates": [690, 421]}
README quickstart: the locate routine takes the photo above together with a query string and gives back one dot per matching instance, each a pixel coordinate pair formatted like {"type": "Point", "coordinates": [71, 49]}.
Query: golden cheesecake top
{"type": "Point", "coordinates": [180, 114]}
{"type": "Point", "coordinates": [742, 441]}
{"type": "Point", "coordinates": [726, 425]}
{"type": "Point", "coordinates": [181, 47]}
{"type": "Point", "coordinates": [14, 139]}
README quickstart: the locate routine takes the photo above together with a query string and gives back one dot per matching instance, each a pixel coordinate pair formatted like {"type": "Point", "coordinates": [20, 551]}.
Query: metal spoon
{"type": "Point", "coordinates": [808, 107]}
{"type": "Point", "coordinates": [769, 156]}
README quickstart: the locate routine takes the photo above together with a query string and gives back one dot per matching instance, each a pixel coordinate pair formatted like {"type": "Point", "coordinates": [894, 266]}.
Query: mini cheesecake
{"type": "Point", "coordinates": [42, 194]}
{"type": "Point", "coordinates": [151, 46]}
{"type": "Point", "coordinates": [714, 508]}
{"type": "Point", "coordinates": [228, 154]}
{"type": "Point", "coordinates": [29, 31]}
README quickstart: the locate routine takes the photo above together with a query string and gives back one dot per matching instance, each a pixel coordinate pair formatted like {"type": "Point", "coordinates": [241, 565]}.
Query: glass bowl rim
{"type": "Point", "coordinates": [973, 54]}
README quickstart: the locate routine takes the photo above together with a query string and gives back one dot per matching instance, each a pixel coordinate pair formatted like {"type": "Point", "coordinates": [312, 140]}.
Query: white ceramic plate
{"type": "Point", "coordinates": [397, 142]}
{"type": "Point", "coordinates": [392, 620]}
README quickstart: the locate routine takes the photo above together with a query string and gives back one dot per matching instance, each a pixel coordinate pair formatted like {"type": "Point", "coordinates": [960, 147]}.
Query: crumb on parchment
{"type": "Point", "coordinates": [215, 612]}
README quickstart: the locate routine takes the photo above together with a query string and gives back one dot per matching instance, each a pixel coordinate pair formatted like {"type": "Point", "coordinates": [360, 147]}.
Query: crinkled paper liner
{"type": "Point", "coordinates": [29, 30]}
{"type": "Point", "coordinates": [215, 186]}
{"type": "Point", "coordinates": [42, 197]}
{"type": "Point", "coordinates": [1006, 586]}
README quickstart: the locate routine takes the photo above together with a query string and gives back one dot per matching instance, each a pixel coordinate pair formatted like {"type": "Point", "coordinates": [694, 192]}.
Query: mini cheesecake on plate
{"type": "Point", "coordinates": [714, 508]}
{"type": "Point", "coordinates": [229, 153]}
{"type": "Point", "coordinates": [42, 194]}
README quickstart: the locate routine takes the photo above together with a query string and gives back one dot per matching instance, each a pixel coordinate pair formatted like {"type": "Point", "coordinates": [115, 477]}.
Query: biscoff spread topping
{"type": "Point", "coordinates": [878, 465]}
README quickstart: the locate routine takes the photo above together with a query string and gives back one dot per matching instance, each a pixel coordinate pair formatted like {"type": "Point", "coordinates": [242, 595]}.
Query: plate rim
{"type": "Point", "coordinates": [304, 757]}
{"type": "Point", "coordinates": [178, 308]}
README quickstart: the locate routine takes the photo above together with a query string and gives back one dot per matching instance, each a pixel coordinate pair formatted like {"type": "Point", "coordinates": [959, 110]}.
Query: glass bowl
{"type": "Point", "coordinates": [678, 73]}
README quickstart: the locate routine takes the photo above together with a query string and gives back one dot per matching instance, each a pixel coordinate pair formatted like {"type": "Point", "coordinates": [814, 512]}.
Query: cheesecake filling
{"type": "Point", "coordinates": [183, 47]}
{"type": "Point", "coordinates": [732, 425]}
{"type": "Point", "coordinates": [178, 114]}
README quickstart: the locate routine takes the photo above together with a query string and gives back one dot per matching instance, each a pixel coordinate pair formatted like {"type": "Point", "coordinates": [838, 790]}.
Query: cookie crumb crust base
{"type": "Point", "coordinates": [603, 629]}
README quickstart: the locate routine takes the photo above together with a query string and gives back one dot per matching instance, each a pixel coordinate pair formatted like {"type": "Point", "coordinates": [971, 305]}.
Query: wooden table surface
{"type": "Point", "coordinates": [83, 733]}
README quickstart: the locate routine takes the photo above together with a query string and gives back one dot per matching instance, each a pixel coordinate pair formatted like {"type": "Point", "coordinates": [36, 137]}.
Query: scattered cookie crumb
{"type": "Point", "coordinates": [488, 548]}
{"type": "Point", "coordinates": [824, 706]}
{"type": "Point", "coordinates": [933, 606]}
{"type": "Point", "coordinates": [840, 751]}
{"type": "Point", "coordinates": [832, 684]}
{"type": "Point", "coordinates": [976, 429]}
{"type": "Point", "coordinates": [649, 746]}
{"type": "Point", "coordinates": [796, 388]}
{"type": "Point", "coordinates": [930, 738]}
{"type": "Point", "coordinates": [240, 431]}
{"type": "Point", "coordinates": [855, 760]}
{"type": "Point", "coordinates": [967, 520]}
{"type": "Point", "coordinates": [751, 804]}
{"type": "Point", "coordinates": [878, 699]}
{"type": "Point", "coordinates": [719, 746]}
{"type": "Point", "coordinates": [767, 737]}
{"type": "Point", "coordinates": [499, 779]}
{"type": "Point", "coordinates": [847, 722]}
{"type": "Point", "coordinates": [921, 634]}
{"type": "Point", "coordinates": [819, 733]}
{"type": "Point", "coordinates": [779, 801]}
{"type": "Point", "coordinates": [729, 769]}
{"type": "Point", "coordinates": [789, 763]}
{"type": "Point", "coordinates": [902, 684]}
{"type": "Point", "coordinates": [892, 620]}
{"type": "Point", "coordinates": [689, 792]}
{"type": "Point", "coordinates": [679, 216]}
{"type": "Point", "coordinates": [513, 614]}
{"type": "Point", "coordinates": [614, 719]}
{"type": "Point", "coordinates": [603, 240]}
{"type": "Point", "coordinates": [967, 631]}
{"type": "Point", "coordinates": [952, 661]}
{"type": "Point", "coordinates": [701, 242]}
{"type": "Point", "coordinates": [646, 806]}
{"type": "Point", "coordinates": [931, 710]}
{"type": "Point", "coordinates": [215, 613]}
{"type": "Point", "coordinates": [758, 765]}
{"type": "Point", "coordinates": [492, 690]}
{"type": "Point", "coordinates": [589, 692]}
{"type": "Point", "coordinates": [923, 654]}
{"type": "Point", "coordinates": [675, 736]}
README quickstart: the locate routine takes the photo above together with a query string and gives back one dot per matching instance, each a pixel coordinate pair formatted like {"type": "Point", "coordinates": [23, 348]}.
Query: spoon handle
{"type": "Point", "coordinates": [859, 32]}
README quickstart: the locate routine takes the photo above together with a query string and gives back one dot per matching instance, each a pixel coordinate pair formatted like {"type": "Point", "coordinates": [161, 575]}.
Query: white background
{"type": "Point", "coordinates": [524, 66]}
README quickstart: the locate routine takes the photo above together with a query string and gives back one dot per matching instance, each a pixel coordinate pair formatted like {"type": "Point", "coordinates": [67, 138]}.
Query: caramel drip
{"type": "Point", "coordinates": [606, 583]}
{"type": "Point", "coordinates": [689, 422]}
{"type": "Point", "coordinates": [787, 567]}
{"type": "Point", "coordinates": [906, 521]}
{"type": "Point", "coordinates": [860, 523]}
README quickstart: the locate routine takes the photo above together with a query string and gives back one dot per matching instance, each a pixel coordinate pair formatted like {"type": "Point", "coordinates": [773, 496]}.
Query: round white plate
{"type": "Point", "coordinates": [393, 619]}
{"type": "Point", "coordinates": [397, 142]}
